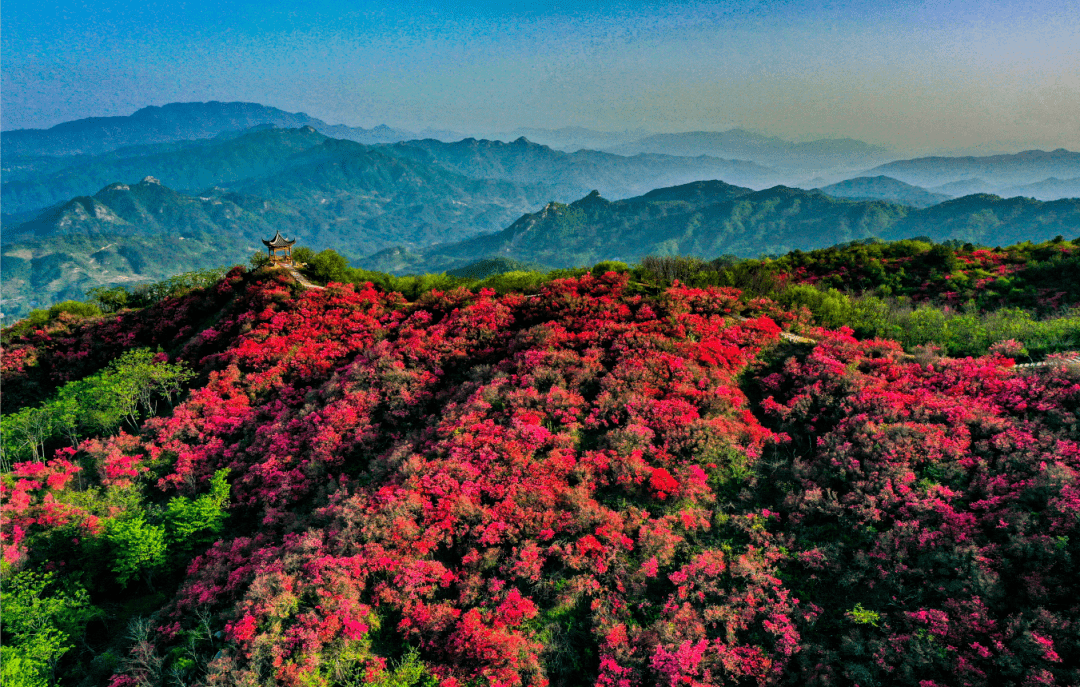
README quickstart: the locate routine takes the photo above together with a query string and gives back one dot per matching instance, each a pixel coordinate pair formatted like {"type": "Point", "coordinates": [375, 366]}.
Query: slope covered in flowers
{"type": "Point", "coordinates": [578, 487]}
{"type": "Point", "coordinates": [1042, 278]}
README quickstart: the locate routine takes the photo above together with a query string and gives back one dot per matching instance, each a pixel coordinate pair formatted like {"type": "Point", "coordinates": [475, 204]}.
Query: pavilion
{"type": "Point", "coordinates": [282, 244]}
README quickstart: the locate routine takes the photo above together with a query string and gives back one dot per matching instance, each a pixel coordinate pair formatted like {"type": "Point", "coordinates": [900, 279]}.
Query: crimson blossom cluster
{"type": "Point", "coordinates": [585, 486]}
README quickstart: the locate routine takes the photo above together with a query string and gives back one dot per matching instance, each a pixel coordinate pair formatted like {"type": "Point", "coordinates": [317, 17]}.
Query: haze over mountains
{"type": "Point", "coordinates": [223, 175]}
{"type": "Point", "coordinates": [1003, 171]}
{"type": "Point", "coordinates": [767, 150]}
{"type": "Point", "coordinates": [171, 123]}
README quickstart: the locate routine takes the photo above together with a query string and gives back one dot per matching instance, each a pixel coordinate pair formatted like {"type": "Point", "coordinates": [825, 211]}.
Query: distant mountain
{"type": "Point", "coordinates": [1000, 170]}
{"type": "Point", "coordinates": [31, 184]}
{"type": "Point", "coordinates": [1047, 189]}
{"type": "Point", "coordinates": [712, 219]}
{"type": "Point", "coordinates": [884, 188]}
{"type": "Point", "coordinates": [147, 208]}
{"type": "Point", "coordinates": [63, 267]}
{"type": "Point", "coordinates": [170, 123]}
{"type": "Point", "coordinates": [191, 166]}
{"type": "Point", "coordinates": [569, 138]}
{"type": "Point", "coordinates": [569, 175]}
{"type": "Point", "coordinates": [705, 218]}
{"type": "Point", "coordinates": [765, 150]}
{"type": "Point", "coordinates": [991, 220]}
{"type": "Point", "coordinates": [337, 194]}
{"type": "Point", "coordinates": [357, 198]}
{"type": "Point", "coordinates": [964, 187]}
{"type": "Point", "coordinates": [124, 234]}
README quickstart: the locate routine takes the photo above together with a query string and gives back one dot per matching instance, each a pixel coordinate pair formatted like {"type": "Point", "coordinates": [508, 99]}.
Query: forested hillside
{"type": "Point", "coordinates": [615, 476]}
{"type": "Point", "coordinates": [710, 219]}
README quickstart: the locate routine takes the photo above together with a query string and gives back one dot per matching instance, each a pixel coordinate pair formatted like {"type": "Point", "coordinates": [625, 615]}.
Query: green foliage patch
{"type": "Point", "coordinates": [130, 387]}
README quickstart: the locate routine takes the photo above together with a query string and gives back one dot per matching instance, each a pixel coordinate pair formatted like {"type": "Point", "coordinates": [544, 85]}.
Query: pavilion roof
{"type": "Point", "coordinates": [278, 241]}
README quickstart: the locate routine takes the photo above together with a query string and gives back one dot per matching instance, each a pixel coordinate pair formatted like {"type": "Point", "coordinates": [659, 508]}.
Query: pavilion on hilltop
{"type": "Point", "coordinates": [279, 244]}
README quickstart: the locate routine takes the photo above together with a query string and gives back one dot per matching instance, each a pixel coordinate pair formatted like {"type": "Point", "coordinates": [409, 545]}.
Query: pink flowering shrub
{"type": "Point", "coordinates": [584, 487]}
{"type": "Point", "coordinates": [940, 498]}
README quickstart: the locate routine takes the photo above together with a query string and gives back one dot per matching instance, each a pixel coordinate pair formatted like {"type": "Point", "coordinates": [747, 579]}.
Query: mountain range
{"type": "Point", "coordinates": [569, 175]}
{"type": "Point", "coordinates": [569, 138]}
{"type": "Point", "coordinates": [1000, 171]}
{"type": "Point", "coordinates": [709, 219]}
{"type": "Point", "coordinates": [1047, 189]}
{"type": "Point", "coordinates": [29, 185]}
{"type": "Point", "coordinates": [176, 122]}
{"type": "Point", "coordinates": [765, 150]}
{"type": "Point", "coordinates": [884, 188]}
{"type": "Point", "coordinates": [76, 221]}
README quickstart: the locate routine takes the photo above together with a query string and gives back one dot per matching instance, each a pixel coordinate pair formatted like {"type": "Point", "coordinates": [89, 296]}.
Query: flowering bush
{"type": "Point", "coordinates": [584, 486]}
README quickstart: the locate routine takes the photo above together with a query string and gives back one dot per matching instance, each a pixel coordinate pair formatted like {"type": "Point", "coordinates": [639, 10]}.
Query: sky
{"type": "Point", "coordinates": [917, 76]}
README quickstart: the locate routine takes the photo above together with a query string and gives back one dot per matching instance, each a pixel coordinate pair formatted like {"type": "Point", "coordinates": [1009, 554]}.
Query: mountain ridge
{"type": "Point", "coordinates": [173, 122]}
{"type": "Point", "coordinates": [884, 188]}
{"type": "Point", "coordinates": [1010, 169]}
{"type": "Point", "coordinates": [761, 148]}
{"type": "Point", "coordinates": [732, 220]}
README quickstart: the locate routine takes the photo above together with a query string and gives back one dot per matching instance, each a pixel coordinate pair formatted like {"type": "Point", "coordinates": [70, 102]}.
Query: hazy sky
{"type": "Point", "coordinates": [919, 76]}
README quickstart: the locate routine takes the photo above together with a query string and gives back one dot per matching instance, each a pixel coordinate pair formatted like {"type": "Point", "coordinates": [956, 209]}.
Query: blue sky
{"type": "Point", "coordinates": [918, 76]}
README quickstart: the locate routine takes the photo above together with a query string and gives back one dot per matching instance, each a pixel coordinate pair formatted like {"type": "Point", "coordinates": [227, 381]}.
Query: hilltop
{"type": "Point", "coordinates": [884, 188]}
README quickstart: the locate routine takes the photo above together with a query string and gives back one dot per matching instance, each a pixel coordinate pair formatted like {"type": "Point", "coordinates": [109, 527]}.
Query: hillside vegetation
{"type": "Point", "coordinates": [710, 219]}
{"type": "Point", "coordinates": [613, 476]}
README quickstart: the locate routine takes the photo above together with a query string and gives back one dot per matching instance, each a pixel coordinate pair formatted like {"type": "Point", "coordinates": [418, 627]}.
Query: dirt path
{"type": "Point", "coordinates": [300, 279]}
{"type": "Point", "coordinates": [794, 338]}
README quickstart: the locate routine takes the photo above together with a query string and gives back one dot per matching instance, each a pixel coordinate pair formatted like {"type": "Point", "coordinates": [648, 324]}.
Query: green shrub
{"type": "Point", "coordinates": [258, 259]}
{"type": "Point", "coordinates": [667, 268]}
{"type": "Point", "coordinates": [76, 308]}
{"type": "Point", "coordinates": [301, 255]}
{"type": "Point", "coordinates": [327, 266]}
{"type": "Point", "coordinates": [191, 523]}
{"type": "Point", "coordinates": [40, 623]}
{"type": "Point", "coordinates": [514, 282]}
{"type": "Point", "coordinates": [602, 268]}
{"type": "Point", "coordinates": [138, 548]}
{"type": "Point", "coordinates": [410, 671]}
{"type": "Point", "coordinates": [109, 299]}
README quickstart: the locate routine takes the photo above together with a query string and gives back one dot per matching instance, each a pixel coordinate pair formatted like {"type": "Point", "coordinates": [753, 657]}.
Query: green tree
{"type": "Point", "coordinates": [131, 386]}
{"type": "Point", "coordinates": [109, 298]}
{"type": "Point", "coordinates": [259, 259]}
{"type": "Point", "coordinates": [138, 548]}
{"type": "Point", "coordinates": [327, 266]}
{"type": "Point", "coordinates": [146, 381]}
{"type": "Point", "coordinates": [302, 255]}
{"type": "Point", "coordinates": [38, 627]}
{"type": "Point", "coordinates": [189, 523]}
{"type": "Point", "coordinates": [25, 433]}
